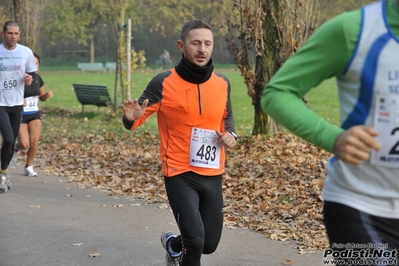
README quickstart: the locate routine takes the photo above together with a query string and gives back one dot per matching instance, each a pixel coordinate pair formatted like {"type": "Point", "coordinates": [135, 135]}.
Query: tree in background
{"type": "Point", "coordinates": [137, 59]}
{"type": "Point", "coordinates": [79, 20]}
{"type": "Point", "coordinates": [17, 9]}
{"type": "Point", "coordinates": [67, 27]}
{"type": "Point", "coordinates": [120, 25]}
{"type": "Point", "coordinates": [159, 24]}
{"type": "Point", "coordinates": [29, 14]}
{"type": "Point", "coordinates": [262, 34]}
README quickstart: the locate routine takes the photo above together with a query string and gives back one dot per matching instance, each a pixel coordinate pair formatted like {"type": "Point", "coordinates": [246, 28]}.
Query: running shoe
{"type": "Point", "coordinates": [169, 259]}
{"type": "Point", "coordinates": [5, 183]}
{"type": "Point", "coordinates": [29, 171]}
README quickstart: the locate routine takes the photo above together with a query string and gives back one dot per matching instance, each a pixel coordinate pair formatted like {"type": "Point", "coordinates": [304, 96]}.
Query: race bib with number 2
{"type": "Point", "coordinates": [386, 122]}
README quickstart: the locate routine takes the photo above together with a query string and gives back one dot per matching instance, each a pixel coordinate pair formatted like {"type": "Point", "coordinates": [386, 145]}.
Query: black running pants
{"type": "Point", "coordinates": [358, 238]}
{"type": "Point", "coordinates": [10, 120]}
{"type": "Point", "coordinates": [197, 203]}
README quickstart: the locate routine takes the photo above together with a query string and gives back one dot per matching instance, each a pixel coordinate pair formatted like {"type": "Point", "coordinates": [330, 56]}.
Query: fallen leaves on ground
{"type": "Point", "coordinates": [271, 185]}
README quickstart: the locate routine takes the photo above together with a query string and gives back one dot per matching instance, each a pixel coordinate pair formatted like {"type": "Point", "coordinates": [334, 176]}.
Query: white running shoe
{"type": "Point", "coordinates": [169, 259]}
{"type": "Point", "coordinates": [29, 171]}
{"type": "Point", "coordinates": [5, 183]}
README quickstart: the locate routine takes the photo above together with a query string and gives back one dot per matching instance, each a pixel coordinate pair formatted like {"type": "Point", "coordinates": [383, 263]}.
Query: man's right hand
{"type": "Point", "coordinates": [355, 144]}
{"type": "Point", "coordinates": [28, 79]}
{"type": "Point", "coordinates": [133, 110]}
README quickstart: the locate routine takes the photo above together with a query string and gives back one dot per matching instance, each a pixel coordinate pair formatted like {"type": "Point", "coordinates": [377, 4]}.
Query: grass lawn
{"type": "Point", "coordinates": [324, 101]}
{"type": "Point", "coordinates": [65, 108]}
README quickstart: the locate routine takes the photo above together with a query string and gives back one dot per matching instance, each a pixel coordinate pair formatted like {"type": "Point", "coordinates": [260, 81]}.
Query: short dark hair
{"type": "Point", "coordinates": [37, 56]}
{"type": "Point", "coordinates": [192, 25]}
{"type": "Point", "coordinates": [9, 23]}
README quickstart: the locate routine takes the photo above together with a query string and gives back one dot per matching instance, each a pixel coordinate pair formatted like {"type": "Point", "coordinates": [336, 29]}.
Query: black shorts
{"type": "Point", "coordinates": [30, 117]}
{"type": "Point", "coordinates": [358, 238]}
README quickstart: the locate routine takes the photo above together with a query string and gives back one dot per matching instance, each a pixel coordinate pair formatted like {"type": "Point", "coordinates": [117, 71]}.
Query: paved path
{"type": "Point", "coordinates": [42, 225]}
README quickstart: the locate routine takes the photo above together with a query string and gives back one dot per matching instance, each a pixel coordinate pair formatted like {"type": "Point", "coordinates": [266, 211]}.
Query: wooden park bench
{"type": "Point", "coordinates": [91, 67]}
{"type": "Point", "coordinates": [97, 95]}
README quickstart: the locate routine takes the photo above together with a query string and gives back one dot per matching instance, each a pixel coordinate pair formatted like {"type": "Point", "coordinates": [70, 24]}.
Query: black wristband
{"type": "Point", "coordinates": [127, 123]}
{"type": "Point", "coordinates": [33, 74]}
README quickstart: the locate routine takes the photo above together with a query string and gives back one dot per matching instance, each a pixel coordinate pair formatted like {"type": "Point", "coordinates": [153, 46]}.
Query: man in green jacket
{"type": "Point", "coordinates": [361, 192]}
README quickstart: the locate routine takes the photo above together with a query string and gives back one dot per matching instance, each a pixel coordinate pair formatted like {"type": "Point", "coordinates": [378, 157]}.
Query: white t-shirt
{"type": "Point", "coordinates": [368, 96]}
{"type": "Point", "coordinates": [13, 66]}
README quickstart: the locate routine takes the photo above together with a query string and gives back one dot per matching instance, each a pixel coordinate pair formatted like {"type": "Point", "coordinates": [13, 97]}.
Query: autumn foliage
{"type": "Point", "coordinates": [270, 185]}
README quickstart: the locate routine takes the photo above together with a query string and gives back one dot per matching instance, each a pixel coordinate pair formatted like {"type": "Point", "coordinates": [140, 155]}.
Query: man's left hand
{"type": "Point", "coordinates": [226, 139]}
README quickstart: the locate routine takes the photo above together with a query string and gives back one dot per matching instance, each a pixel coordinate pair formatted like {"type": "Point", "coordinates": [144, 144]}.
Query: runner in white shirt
{"type": "Point", "coordinates": [17, 69]}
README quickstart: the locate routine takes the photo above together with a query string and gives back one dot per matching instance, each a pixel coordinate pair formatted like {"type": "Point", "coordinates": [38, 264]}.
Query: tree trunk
{"type": "Point", "coordinates": [263, 124]}
{"type": "Point", "coordinates": [271, 36]}
{"type": "Point", "coordinates": [266, 66]}
{"type": "Point", "coordinates": [31, 22]}
{"type": "Point", "coordinates": [121, 59]}
{"type": "Point", "coordinates": [17, 10]}
{"type": "Point", "coordinates": [92, 59]}
{"type": "Point", "coordinates": [260, 118]}
{"type": "Point", "coordinates": [117, 81]}
{"type": "Point", "coordinates": [17, 6]}
{"type": "Point", "coordinates": [128, 58]}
